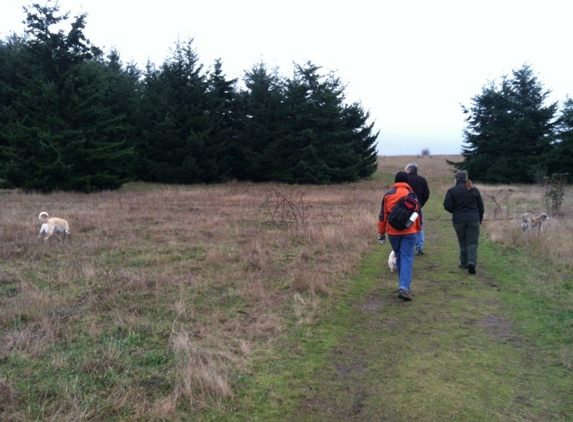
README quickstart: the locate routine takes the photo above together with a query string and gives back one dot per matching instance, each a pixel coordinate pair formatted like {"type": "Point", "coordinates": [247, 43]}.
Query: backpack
{"type": "Point", "coordinates": [399, 217]}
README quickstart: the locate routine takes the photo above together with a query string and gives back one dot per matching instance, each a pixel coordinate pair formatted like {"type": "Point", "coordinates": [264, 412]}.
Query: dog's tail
{"type": "Point", "coordinates": [43, 216]}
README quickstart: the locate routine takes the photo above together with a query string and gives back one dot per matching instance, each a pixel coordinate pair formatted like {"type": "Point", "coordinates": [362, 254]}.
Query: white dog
{"type": "Point", "coordinates": [392, 262]}
{"type": "Point", "coordinates": [531, 222]}
{"type": "Point", "coordinates": [51, 225]}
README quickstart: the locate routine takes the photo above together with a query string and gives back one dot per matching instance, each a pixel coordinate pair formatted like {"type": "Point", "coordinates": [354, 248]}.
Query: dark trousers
{"type": "Point", "coordinates": [468, 236]}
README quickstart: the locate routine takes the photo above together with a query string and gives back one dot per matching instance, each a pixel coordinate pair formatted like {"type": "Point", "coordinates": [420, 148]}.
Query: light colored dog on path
{"type": "Point", "coordinates": [52, 225]}
{"type": "Point", "coordinates": [392, 262]}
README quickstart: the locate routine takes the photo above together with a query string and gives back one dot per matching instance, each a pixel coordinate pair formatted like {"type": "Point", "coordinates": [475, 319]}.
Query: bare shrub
{"type": "Point", "coordinates": [554, 192]}
{"type": "Point", "coordinates": [286, 206]}
{"type": "Point", "coordinates": [499, 198]}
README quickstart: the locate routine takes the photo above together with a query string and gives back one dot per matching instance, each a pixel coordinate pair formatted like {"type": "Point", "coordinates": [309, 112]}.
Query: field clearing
{"type": "Point", "coordinates": [166, 300]}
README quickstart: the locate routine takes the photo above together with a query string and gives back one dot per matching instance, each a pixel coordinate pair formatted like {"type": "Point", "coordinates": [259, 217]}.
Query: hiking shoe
{"type": "Point", "coordinates": [465, 267]}
{"type": "Point", "coordinates": [403, 294]}
{"type": "Point", "coordinates": [471, 269]}
{"type": "Point", "coordinates": [420, 252]}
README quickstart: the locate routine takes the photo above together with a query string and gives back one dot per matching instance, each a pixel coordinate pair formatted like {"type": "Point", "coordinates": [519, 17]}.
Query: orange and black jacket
{"type": "Point", "coordinates": [398, 191]}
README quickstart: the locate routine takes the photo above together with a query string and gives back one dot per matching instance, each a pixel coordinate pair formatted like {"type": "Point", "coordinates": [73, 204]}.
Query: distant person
{"type": "Point", "coordinates": [402, 241]}
{"type": "Point", "coordinates": [420, 187]}
{"type": "Point", "coordinates": [465, 203]}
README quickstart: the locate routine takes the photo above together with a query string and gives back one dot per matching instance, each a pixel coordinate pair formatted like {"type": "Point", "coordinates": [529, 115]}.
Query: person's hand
{"type": "Point", "coordinates": [382, 238]}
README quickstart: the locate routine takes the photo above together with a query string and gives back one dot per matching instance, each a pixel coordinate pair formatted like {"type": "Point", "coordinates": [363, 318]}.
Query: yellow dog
{"type": "Point", "coordinates": [51, 225]}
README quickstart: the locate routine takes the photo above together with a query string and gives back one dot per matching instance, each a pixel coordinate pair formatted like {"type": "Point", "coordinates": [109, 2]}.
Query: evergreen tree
{"type": "Point", "coordinates": [327, 141]}
{"type": "Point", "coordinates": [58, 132]}
{"type": "Point", "coordinates": [561, 158]}
{"type": "Point", "coordinates": [71, 119]}
{"type": "Point", "coordinates": [262, 112]}
{"type": "Point", "coordinates": [174, 145]}
{"type": "Point", "coordinates": [364, 138]}
{"type": "Point", "coordinates": [300, 130]}
{"type": "Point", "coordinates": [11, 59]}
{"type": "Point", "coordinates": [224, 124]}
{"type": "Point", "coordinates": [509, 133]}
{"type": "Point", "coordinates": [312, 103]}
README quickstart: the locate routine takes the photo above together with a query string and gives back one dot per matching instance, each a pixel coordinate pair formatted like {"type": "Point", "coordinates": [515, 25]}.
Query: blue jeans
{"type": "Point", "coordinates": [403, 247]}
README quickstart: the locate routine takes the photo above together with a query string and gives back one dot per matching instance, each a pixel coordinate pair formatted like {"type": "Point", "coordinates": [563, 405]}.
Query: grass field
{"type": "Point", "coordinates": [246, 302]}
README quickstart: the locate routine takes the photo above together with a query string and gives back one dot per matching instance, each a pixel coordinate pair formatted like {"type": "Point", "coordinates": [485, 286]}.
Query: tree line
{"type": "Point", "coordinates": [73, 118]}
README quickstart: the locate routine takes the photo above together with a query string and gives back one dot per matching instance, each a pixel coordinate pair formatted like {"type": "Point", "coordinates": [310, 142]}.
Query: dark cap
{"type": "Point", "coordinates": [401, 176]}
{"type": "Point", "coordinates": [461, 176]}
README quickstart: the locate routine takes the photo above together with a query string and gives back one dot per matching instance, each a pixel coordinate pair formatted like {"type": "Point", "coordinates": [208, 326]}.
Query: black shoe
{"type": "Point", "coordinates": [471, 269]}
{"type": "Point", "coordinates": [465, 267]}
{"type": "Point", "coordinates": [420, 252]}
{"type": "Point", "coordinates": [403, 294]}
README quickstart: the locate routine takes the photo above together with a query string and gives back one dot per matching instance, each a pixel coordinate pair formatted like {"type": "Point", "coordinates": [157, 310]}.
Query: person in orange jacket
{"type": "Point", "coordinates": [402, 241]}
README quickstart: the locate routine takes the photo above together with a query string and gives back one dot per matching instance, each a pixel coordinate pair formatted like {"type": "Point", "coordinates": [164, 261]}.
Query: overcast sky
{"type": "Point", "coordinates": [410, 64]}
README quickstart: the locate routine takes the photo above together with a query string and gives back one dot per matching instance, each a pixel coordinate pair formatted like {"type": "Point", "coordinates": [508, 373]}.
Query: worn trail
{"type": "Point", "coordinates": [453, 353]}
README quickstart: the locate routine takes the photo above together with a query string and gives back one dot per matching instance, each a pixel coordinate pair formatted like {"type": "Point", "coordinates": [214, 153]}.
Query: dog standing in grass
{"type": "Point", "coordinates": [531, 222]}
{"type": "Point", "coordinates": [51, 225]}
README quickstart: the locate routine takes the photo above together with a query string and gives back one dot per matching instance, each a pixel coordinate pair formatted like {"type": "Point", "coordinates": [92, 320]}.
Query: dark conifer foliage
{"type": "Point", "coordinates": [364, 138]}
{"type": "Point", "coordinates": [313, 106]}
{"type": "Point", "coordinates": [263, 125]}
{"type": "Point", "coordinates": [174, 145]}
{"type": "Point", "coordinates": [225, 124]}
{"type": "Point", "coordinates": [510, 130]}
{"type": "Point", "coordinates": [301, 131]}
{"type": "Point", "coordinates": [74, 119]}
{"type": "Point", "coordinates": [59, 130]}
{"type": "Point", "coordinates": [561, 158]}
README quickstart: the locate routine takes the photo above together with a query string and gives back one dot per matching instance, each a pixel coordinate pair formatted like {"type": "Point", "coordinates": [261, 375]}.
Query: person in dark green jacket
{"type": "Point", "coordinates": [465, 203]}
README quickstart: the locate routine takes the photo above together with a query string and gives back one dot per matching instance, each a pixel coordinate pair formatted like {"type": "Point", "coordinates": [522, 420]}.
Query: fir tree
{"type": "Point", "coordinates": [59, 132]}
{"type": "Point", "coordinates": [174, 142]}
{"type": "Point", "coordinates": [224, 124]}
{"type": "Point", "coordinates": [262, 113]}
{"type": "Point", "coordinates": [327, 141]}
{"type": "Point", "coordinates": [560, 160]}
{"type": "Point", "coordinates": [509, 133]}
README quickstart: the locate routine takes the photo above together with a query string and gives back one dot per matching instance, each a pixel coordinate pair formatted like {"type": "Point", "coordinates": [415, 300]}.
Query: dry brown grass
{"type": "Point", "coordinates": [221, 268]}
{"type": "Point", "coordinates": [504, 207]}
{"type": "Point", "coordinates": [173, 291]}
{"type": "Point", "coordinates": [432, 167]}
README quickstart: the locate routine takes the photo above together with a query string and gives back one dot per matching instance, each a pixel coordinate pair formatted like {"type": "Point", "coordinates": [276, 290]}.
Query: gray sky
{"type": "Point", "coordinates": [410, 64]}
